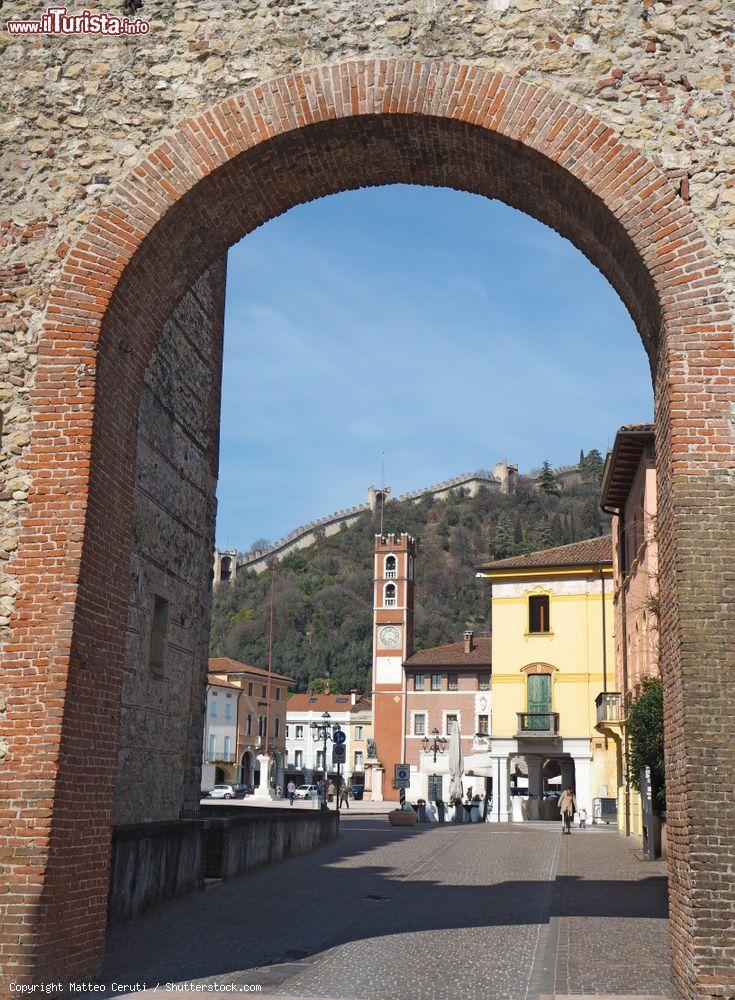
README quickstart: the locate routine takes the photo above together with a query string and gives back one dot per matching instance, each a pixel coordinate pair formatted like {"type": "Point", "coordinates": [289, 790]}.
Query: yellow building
{"type": "Point", "coordinates": [552, 655]}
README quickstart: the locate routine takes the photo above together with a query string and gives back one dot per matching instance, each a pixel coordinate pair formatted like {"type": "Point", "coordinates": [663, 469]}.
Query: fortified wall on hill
{"type": "Point", "coordinates": [504, 479]}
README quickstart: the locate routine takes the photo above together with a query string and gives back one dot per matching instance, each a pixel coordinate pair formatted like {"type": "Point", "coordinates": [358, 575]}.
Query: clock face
{"type": "Point", "coordinates": [389, 636]}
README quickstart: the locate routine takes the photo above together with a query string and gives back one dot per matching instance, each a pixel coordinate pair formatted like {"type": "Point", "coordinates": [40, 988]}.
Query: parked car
{"type": "Point", "coordinates": [306, 792]}
{"type": "Point", "coordinates": [357, 792]}
{"type": "Point", "coordinates": [223, 792]}
{"type": "Point", "coordinates": [242, 790]}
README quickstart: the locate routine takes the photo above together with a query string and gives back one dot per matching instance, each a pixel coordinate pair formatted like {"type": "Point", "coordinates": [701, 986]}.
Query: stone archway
{"type": "Point", "coordinates": [216, 177]}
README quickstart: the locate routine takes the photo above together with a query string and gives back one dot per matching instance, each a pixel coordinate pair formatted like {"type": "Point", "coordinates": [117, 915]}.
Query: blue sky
{"type": "Point", "coordinates": [442, 328]}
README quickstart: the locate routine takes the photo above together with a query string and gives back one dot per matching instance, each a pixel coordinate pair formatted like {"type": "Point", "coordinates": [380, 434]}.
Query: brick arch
{"type": "Point", "coordinates": [216, 177]}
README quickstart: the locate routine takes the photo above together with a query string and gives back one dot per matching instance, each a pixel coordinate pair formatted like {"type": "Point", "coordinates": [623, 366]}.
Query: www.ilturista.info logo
{"type": "Point", "coordinates": [56, 21]}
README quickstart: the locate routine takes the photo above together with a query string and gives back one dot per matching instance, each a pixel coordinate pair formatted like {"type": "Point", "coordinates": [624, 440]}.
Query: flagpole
{"type": "Point", "coordinates": [270, 669]}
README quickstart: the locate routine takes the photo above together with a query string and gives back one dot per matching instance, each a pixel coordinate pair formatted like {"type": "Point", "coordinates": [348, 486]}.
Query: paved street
{"type": "Point", "coordinates": [464, 912]}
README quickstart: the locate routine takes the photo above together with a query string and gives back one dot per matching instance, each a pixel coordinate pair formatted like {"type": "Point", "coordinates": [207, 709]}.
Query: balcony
{"type": "Point", "coordinates": [218, 758]}
{"type": "Point", "coordinates": [532, 724]}
{"type": "Point", "coordinates": [609, 709]}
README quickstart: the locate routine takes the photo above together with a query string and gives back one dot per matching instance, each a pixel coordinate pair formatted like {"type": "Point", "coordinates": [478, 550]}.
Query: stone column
{"type": "Point", "coordinates": [567, 772]}
{"type": "Point", "coordinates": [377, 794]}
{"type": "Point", "coordinates": [264, 789]}
{"type": "Point", "coordinates": [500, 810]}
{"type": "Point", "coordinates": [535, 787]}
{"type": "Point", "coordinates": [583, 792]}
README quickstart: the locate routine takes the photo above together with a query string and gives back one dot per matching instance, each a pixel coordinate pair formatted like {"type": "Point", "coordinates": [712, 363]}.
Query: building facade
{"type": "Point", "coordinates": [219, 751]}
{"type": "Point", "coordinates": [552, 655]}
{"type": "Point", "coordinates": [260, 722]}
{"type": "Point", "coordinates": [629, 494]}
{"type": "Point", "coordinates": [305, 756]}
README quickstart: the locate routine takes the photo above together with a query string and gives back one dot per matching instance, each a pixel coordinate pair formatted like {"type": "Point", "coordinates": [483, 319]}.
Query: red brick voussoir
{"type": "Point", "coordinates": [216, 177]}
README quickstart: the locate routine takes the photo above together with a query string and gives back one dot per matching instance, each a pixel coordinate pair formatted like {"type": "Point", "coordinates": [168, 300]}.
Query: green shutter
{"type": "Point", "coordinates": [539, 700]}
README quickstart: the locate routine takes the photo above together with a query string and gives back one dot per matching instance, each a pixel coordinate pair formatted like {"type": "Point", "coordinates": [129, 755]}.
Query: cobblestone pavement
{"type": "Point", "coordinates": [463, 912]}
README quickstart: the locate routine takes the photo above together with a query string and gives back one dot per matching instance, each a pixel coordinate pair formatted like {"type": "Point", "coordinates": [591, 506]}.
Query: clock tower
{"type": "Point", "coordinates": [393, 577]}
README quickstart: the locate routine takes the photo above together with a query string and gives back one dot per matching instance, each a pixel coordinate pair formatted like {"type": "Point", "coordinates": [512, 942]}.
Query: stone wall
{"type": "Point", "coordinates": [160, 745]}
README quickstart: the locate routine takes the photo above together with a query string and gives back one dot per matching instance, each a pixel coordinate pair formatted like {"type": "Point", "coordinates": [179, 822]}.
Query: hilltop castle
{"type": "Point", "coordinates": [504, 478]}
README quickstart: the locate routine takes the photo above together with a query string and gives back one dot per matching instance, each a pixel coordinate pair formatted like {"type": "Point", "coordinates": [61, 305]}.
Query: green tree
{"type": "Point", "coordinates": [503, 536]}
{"type": "Point", "coordinates": [646, 731]}
{"type": "Point", "coordinates": [547, 481]}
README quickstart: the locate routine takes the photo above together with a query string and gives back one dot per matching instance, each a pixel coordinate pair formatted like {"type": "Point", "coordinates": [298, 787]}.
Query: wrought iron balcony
{"type": "Point", "coordinates": [538, 724]}
{"type": "Point", "coordinates": [609, 708]}
{"type": "Point", "coordinates": [218, 757]}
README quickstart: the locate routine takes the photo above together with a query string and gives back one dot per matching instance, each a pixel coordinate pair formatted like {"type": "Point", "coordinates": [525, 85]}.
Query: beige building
{"type": "Point", "coordinates": [629, 494]}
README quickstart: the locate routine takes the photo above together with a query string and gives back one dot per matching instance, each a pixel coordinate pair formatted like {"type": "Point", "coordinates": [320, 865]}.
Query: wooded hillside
{"type": "Point", "coordinates": [324, 593]}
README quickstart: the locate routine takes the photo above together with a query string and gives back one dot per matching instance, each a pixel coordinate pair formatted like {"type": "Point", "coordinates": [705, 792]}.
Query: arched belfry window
{"type": "Point", "coordinates": [391, 567]}
{"type": "Point", "coordinates": [389, 599]}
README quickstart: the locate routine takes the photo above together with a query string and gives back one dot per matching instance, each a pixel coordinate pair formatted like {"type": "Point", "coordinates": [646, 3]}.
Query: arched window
{"type": "Point", "coordinates": [261, 721]}
{"type": "Point", "coordinates": [225, 569]}
{"type": "Point", "coordinates": [250, 725]}
{"type": "Point", "coordinates": [389, 598]}
{"type": "Point", "coordinates": [278, 727]}
{"type": "Point", "coordinates": [391, 567]}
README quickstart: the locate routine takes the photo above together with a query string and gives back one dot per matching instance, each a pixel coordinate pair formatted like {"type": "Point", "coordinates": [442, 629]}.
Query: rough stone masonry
{"type": "Point", "coordinates": [81, 116]}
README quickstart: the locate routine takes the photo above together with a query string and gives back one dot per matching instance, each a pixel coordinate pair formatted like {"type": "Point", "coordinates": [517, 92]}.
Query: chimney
{"type": "Point", "coordinates": [468, 644]}
{"type": "Point", "coordinates": [353, 696]}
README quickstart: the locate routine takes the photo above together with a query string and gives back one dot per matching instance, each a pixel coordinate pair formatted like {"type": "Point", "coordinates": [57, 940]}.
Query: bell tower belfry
{"type": "Point", "coordinates": [393, 586]}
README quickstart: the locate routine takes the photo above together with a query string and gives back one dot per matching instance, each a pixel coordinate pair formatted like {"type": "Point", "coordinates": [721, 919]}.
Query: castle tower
{"type": "Point", "coordinates": [393, 584]}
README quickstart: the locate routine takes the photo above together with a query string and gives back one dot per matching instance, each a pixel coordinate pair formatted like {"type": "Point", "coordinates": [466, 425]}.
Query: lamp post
{"type": "Point", "coordinates": [434, 746]}
{"type": "Point", "coordinates": [321, 731]}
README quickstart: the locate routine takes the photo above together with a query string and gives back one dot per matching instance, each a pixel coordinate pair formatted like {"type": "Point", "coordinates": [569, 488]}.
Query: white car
{"type": "Point", "coordinates": [306, 792]}
{"type": "Point", "coordinates": [222, 792]}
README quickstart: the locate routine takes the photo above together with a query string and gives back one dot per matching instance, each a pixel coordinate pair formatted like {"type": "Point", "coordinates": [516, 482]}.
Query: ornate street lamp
{"type": "Point", "coordinates": [322, 732]}
{"type": "Point", "coordinates": [434, 746]}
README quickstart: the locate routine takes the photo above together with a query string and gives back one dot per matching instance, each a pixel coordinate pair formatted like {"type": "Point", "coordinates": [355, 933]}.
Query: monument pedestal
{"type": "Point", "coordinates": [374, 772]}
{"type": "Point", "coordinates": [264, 789]}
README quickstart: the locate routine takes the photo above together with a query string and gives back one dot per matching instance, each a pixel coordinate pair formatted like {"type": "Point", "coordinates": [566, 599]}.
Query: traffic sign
{"type": "Point", "coordinates": [403, 772]}
{"type": "Point", "coordinates": [339, 737]}
{"type": "Point", "coordinates": [339, 753]}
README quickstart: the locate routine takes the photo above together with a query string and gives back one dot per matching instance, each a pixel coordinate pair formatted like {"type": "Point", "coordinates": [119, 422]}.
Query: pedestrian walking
{"type": "Point", "coordinates": [582, 819]}
{"type": "Point", "coordinates": [567, 808]}
{"type": "Point", "coordinates": [330, 791]}
{"type": "Point", "coordinates": [279, 792]}
{"type": "Point", "coordinates": [291, 789]}
{"type": "Point", "coordinates": [344, 797]}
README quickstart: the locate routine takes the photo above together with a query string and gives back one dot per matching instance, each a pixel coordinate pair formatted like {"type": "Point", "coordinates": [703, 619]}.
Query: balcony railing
{"type": "Point", "coordinates": [609, 707]}
{"type": "Point", "coordinates": [391, 574]}
{"type": "Point", "coordinates": [538, 723]}
{"type": "Point", "coordinates": [218, 758]}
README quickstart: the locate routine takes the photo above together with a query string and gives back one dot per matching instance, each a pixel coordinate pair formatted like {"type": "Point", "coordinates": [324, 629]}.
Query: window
{"type": "Point", "coordinates": [299, 732]}
{"type": "Point", "coordinates": [278, 694]}
{"type": "Point", "coordinates": [261, 725]}
{"type": "Point", "coordinates": [452, 682]}
{"type": "Point", "coordinates": [358, 732]}
{"type": "Point", "coordinates": [436, 682]}
{"type": "Point", "coordinates": [418, 682]}
{"type": "Point", "coordinates": [213, 705]}
{"type": "Point", "coordinates": [450, 722]}
{"type": "Point", "coordinates": [212, 747]}
{"type": "Point", "coordinates": [227, 747]}
{"type": "Point", "coordinates": [320, 760]}
{"type": "Point", "coordinates": [484, 683]}
{"type": "Point", "coordinates": [298, 759]}
{"type": "Point", "coordinates": [265, 689]}
{"type": "Point", "coordinates": [419, 724]}
{"type": "Point", "coordinates": [358, 760]}
{"type": "Point", "coordinates": [483, 725]}
{"type": "Point", "coordinates": [159, 634]}
{"type": "Point", "coordinates": [228, 708]}
{"type": "Point", "coordinates": [391, 570]}
{"type": "Point", "coordinates": [288, 732]}
{"type": "Point", "coordinates": [389, 600]}
{"type": "Point", "coordinates": [278, 726]}
{"type": "Point", "coordinates": [250, 725]}
{"type": "Point", "coordinates": [538, 613]}
{"type": "Point", "coordinates": [250, 688]}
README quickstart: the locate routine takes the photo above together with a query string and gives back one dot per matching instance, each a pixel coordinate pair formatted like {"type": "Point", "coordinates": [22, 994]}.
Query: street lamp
{"type": "Point", "coordinates": [321, 732]}
{"type": "Point", "coordinates": [434, 746]}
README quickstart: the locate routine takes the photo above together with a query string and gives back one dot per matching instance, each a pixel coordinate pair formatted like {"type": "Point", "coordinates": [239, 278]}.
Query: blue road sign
{"type": "Point", "coordinates": [339, 738]}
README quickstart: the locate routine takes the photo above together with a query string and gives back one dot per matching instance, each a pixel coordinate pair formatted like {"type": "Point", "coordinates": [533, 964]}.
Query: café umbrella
{"type": "Point", "coordinates": [456, 763]}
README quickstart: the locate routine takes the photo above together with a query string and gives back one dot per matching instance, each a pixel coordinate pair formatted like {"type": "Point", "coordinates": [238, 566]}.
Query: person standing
{"type": "Point", "coordinates": [330, 791]}
{"type": "Point", "coordinates": [344, 797]}
{"type": "Point", "coordinates": [567, 807]}
{"type": "Point", "coordinates": [291, 789]}
{"type": "Point", "coordinates": [582, 819]}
